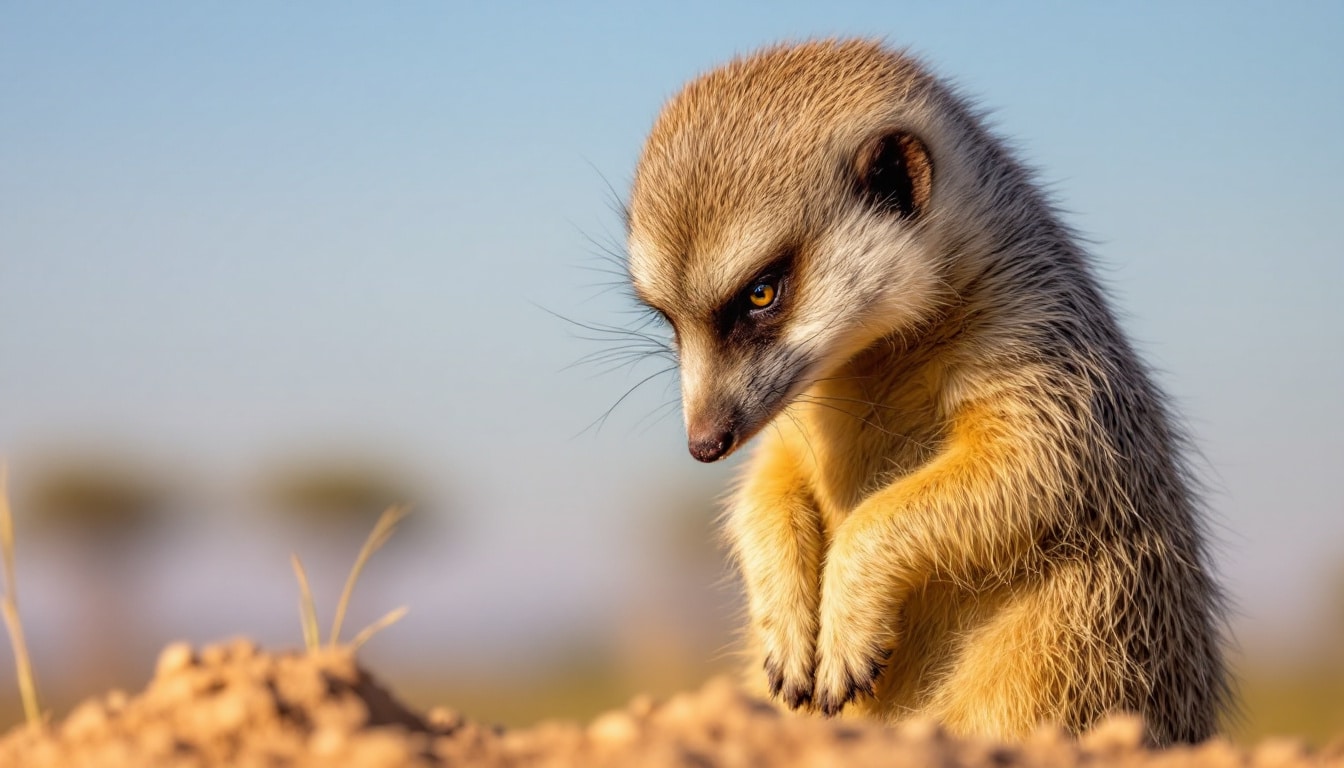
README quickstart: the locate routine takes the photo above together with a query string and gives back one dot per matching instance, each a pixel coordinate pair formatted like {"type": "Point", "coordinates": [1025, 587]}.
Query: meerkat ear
{"type": "Point", "coordinates": [894, 173]}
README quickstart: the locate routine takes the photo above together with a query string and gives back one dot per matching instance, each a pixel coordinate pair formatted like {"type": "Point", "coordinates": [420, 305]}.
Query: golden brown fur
{"type": "Point", "coordinates": [970, 502]}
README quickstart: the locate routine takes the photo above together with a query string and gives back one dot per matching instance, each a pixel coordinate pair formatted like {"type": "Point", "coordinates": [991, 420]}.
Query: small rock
{"type": "Point", "coordinates": [614, 729]}
{"type": "Point", "coordinates": [327, 741]}
{"type": "Point", "coordinates": [641, 706]}
{"type": "Point", "coordinates": [1047, 733]}
{"type": "Point", "coordinates": [243, 648]}
{"type": "Point", "coordinates": [177, 689]}
{"type": "Point", "coordinates": [156, 740]}
{"type": "Point", "coordinates": [1051, 745]}
{"type": "Point", "coordinates": [225, 714]}
{"type": "Point", "coordinates": [444, 719]}
{"type": "Point", "coordinates": [86, 721]}
{"type": "Point", "coordinates": [380, 749]}
{"type": "Point", "coordinates": [174, 658]}
{"type": "Point", "coordinates": [338, 662]}
{"type": "Point", "coordinates": [920, 730]}
{"type": "Point", "coordinates": [680, 710]}
{"type": "Point", "coordinates": [214, 655]}
{"type": "Point", "coordinates": [347, 713]}
{"type": "Point", "coordinates": [1218, 752]}
{"type": "Point", "coordinates": [1115, 733]}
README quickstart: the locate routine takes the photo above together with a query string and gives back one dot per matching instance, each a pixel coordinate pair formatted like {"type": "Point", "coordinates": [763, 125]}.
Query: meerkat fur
{"type": "Point", "coordinates": [968, 500]}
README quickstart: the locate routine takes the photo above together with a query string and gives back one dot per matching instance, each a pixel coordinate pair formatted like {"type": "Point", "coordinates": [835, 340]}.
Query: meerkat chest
{"type": "Point", "coordinates": [861, 436]}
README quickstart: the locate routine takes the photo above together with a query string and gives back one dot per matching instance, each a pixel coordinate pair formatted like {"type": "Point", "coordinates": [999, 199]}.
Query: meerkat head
{"type": "Point", "coordinates": [783, 218]}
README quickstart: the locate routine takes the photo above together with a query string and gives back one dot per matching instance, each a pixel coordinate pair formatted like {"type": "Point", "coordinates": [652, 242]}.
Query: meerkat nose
{"type": "Point", "coordinates": [712, 446]}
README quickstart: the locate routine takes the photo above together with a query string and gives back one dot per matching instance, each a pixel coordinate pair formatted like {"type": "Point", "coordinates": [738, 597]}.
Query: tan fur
{"type": "Point", "coordinates": [970, 502]}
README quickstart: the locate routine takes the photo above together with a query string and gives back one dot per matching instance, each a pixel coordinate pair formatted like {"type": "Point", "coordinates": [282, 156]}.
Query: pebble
{"type": "Point", "coordinates": [326, 742]}
{"type": "Point", "coordinates": [641, 706]}
{"type": "Point", "coordinates": [228, 712]}
{"type": "Point", "coordinates": [87, 720]}
{"type": "Point", "coordinates": [253, 709]}
{"type": "Point", "coordinates": [156, 740]}
{"type": "Point", "coordinates": [919, 729]}
{"type": "Point", "coordinates": [444, 719]}
{"type": "Point", "coordinates": [175, 658]}
{"type": "Point", "coordinates": [680, 710]}
{"type": "Point", "coordinates": [379, 748]}
{"type": "Point", "coordinates": [1114, 734]}
{"type": "Point", "coordinates": [614, 729]}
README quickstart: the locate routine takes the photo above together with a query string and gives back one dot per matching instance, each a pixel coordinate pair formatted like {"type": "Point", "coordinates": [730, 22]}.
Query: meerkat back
{"type": "Point", "coordinates": [967, 499]}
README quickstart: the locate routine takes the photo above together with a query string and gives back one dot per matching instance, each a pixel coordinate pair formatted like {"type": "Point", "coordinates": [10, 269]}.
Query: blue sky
{"type": "Point", "coordinates": [234, 230]}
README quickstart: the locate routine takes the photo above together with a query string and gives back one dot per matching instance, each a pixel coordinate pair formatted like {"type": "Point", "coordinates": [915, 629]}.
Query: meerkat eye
{"type": "Point", "coordinates": [757, 303]}
{"type": "Point", "coordinates": [762, 294]}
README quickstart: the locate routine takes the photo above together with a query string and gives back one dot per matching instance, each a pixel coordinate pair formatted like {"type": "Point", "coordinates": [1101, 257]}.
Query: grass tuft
{"type": "Point", "coordinates": [312, 639]}
{"type": "Point", "coordinates": [10, 606]}
{"type": "Point", "coordinates": [307, 608]}
{"type": "Point", "coordinates": [390, 618]}
{"type": "Point", "coordinates": [382, 531]}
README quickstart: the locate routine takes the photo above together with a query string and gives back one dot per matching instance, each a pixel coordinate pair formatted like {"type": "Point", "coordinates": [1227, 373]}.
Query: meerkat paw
{"type": "Point", "coordinates": [790, 676]}
{"type": "Point", "coordinates": [846, 669]}
{"type": "Point", "coordinates": [789, 640]}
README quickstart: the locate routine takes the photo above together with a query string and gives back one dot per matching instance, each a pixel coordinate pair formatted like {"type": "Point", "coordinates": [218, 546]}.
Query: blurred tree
{"type": "Point", "coordinates": [335, 500]}
{"type": "Point", "coordinates": [335, 493]}
{"type": "Point", "coordinates": [109, 500]}
{"type": "Point", "coordinates": [101, 509]}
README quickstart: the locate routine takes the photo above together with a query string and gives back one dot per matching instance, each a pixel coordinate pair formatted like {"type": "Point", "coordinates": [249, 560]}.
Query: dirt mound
{"type": "Point", "coordinates": [231, 705]}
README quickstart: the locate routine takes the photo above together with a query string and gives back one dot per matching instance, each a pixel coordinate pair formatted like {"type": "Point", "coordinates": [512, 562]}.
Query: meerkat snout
{"type": "Point", "coordinates": [710, 445]}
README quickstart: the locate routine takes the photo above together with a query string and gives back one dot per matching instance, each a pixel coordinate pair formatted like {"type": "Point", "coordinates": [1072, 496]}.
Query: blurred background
{"type": "Point", "coordinates": [265, 268]}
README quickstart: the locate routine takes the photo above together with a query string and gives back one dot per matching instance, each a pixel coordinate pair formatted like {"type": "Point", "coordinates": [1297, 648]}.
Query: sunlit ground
{"type": "Point", "coordinates": [1307, 702]}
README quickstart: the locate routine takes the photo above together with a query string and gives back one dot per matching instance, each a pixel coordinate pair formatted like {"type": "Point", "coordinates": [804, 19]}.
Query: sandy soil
{"type": "Point", "coordinates": [232, 705]}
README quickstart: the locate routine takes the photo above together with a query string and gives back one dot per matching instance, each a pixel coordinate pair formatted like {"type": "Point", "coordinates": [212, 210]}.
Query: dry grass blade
{"type": "Point", "coordinates": [10, 606]}
{"type": "Point", "coordinates": [392, 617]}
{"type": "Point", "coordinates": [7, 533]}
{"type": "Point", "coordinates": [307, 608]}
{"type": "Point", "coordinates": [382, 530]}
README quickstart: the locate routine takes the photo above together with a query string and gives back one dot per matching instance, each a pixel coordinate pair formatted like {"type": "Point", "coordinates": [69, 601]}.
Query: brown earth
{"type": "Point", "coordinates": [233, 705]}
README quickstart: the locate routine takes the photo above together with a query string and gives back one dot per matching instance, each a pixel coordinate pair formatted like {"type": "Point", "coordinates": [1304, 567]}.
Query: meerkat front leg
{"type": "Point", "coordinates": [976, 508]}
{"type": "Point", "coordinates": [776, 536]}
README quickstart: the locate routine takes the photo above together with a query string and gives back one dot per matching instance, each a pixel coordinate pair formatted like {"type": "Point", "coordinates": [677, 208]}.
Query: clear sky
{"type": "Point", "coordinates": [232, 230]}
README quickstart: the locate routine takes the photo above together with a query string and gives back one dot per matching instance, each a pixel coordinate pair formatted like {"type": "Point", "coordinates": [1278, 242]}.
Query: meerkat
{"type": "Point", "coordinates": [969, 501]}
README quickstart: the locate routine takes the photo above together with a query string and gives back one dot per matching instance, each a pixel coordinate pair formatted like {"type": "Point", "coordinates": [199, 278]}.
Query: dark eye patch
{"type": "Point", "coordinates": [739, 321]}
